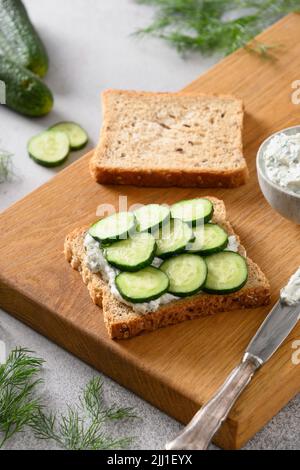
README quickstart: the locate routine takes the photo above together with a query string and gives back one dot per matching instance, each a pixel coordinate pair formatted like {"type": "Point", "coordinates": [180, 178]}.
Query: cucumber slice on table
{"type": "Point", "coordinates": [142, 286]}
{"type": "Point", "coordinates": [209, 238]}
{"type": "Point", "coordinates": [193, 210]}
{"type": "Point", "coordinates": [49, 148]}
{"type": "Point", "coordinates": [227, 272]}
{"type": "Point", "coordinates": [173, 238]}
{"type": "Point", "coordinates": [132, 254]}
{"type": "Point", "coordinates": [151, 216]}
{"type": "Point", "coordinates": [77, 136]}
{"type": "Point", "coordinates": [114, 227]}
{"type": "Point", "coordinates": [187, 274]}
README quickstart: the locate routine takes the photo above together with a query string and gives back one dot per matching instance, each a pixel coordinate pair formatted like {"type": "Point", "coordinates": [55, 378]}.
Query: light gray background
{"type": "Point", "coordinates": [91, 47]}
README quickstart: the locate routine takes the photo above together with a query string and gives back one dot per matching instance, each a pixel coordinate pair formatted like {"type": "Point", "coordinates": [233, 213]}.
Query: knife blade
{"type": "Point", "coordinates": [274, 330]}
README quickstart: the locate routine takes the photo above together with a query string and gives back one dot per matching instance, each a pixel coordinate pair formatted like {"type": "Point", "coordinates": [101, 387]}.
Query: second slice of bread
{"type": "Point", "coordinates": [170, 139]}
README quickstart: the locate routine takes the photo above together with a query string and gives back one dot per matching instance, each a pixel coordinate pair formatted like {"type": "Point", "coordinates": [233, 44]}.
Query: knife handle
{"type": "Point", "coordinates": [198, 434]}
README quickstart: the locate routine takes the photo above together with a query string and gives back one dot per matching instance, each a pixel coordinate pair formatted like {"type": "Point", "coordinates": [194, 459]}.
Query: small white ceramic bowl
{"type": "Point", "coordinates": [283, 201]}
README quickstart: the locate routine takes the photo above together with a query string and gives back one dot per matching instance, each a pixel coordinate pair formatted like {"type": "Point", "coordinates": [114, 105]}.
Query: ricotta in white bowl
{"type": "Point", "coordinates": [282, 161]}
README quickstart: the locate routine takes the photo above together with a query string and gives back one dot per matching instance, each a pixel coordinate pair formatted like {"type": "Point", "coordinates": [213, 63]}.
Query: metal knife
{"type": "Point", "coordinates": [273, 331]}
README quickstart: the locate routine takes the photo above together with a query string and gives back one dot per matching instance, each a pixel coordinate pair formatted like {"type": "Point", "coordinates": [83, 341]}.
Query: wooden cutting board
{"type": "Point", "coordinates": [178, 368]}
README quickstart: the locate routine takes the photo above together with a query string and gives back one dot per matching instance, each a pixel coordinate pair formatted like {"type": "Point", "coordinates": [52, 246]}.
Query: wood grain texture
{"type": "Point", "coordinates": [177, 368]}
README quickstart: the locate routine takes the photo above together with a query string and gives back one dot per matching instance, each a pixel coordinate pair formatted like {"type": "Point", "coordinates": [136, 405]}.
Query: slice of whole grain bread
{"type": "Point", "coordinates": [170, 139]}
{"type": "Point", "coordinates": [123, 322]}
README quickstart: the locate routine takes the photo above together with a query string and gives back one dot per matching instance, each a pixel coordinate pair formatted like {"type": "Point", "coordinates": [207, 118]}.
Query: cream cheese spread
{"type": "Point", "coordinates": [233, 244]}
{"type": "Point", "coordinates": [97, 263]}
{"type": "Point", "coordinates": [282, 161]}
{"type": "Point", "coordinates": [290, 294]}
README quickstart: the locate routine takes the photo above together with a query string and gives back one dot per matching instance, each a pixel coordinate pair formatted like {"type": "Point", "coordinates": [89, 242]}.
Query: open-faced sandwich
{"type": "Point", "coordinates": [162, 265]}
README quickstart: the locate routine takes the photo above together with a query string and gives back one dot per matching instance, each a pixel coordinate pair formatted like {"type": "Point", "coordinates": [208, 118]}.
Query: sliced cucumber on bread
{"type": "Point", "coordinates": [77, 136]}
{"type": "Point", "coordinates": [114, 227]}
{"type": "Point", "coordinates": [49, 148]}
{"type": "Point", "coordinates": [192, 211]}
{"type": "Point", "coordinates": [227, 272]}
{"type": "Point", "coordinates": [209, 238]}
{"type": "Point", "coordinates": [132, 254]}
{"type": "Point", "coordinates": [187, 274]}
{"type": "Point", "coordinates": [151, 216]}
{"type": "Point", "coordinates": [142, 286]}
{"type": "Point", "coordinates": [173, 238]}
{"type": "Point", "coordinates": [193, 253]}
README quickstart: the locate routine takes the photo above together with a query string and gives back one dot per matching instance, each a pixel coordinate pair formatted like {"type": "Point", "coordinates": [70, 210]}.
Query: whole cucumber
{"type": "Point", "coordinates": [19, 40]}
{"type": "Point", "coordinates": [25, 92]}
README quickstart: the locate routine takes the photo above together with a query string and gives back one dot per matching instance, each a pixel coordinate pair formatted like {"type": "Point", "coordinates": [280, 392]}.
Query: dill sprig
{"type": "Point", "coordinates": [6, 169]}
{"type": "Point", "coordinates": [18, 384]}
{"type": "Point", "coordinates": [212, 26]}
{"type": "Point", "coordinates": [81, 426]}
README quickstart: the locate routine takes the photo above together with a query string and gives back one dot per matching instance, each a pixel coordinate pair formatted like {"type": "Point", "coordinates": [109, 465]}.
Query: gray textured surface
{"type": "Point", "coordinates": [91, 49]}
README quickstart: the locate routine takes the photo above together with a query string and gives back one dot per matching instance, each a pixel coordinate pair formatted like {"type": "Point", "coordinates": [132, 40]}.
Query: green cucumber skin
{"type": "Point", "coordinates": [79, 147]}
{"type": "Point", "coordinates": [188, 294]}
{"type": "Point", "coordinates": [48, 164]}
{"type": "Point", "coordinates": [225, 291]}
{"type": "Point", "coordinates": [25, 92]}
{"type": "Point", "coordinates": [141, 300]}
{"type": "Point", "coordinates": [73, 147]}
{"type": "Point", "coordinates": [157, 226]}
{"type": "Point", "coordinates": [135, 268]}
{"type": "Point", "coordinates": [109, 240]}
{"type": "Point", "coordinates": [205, 219]}
{"type": "Point", "coordinates": [154, 228]}
{"type": "Point", "coordinates": [179, 251]}
{"type": "Point", "coordinates": [211, 251]}
{"type": "Point", "coordinates": [19, 40]}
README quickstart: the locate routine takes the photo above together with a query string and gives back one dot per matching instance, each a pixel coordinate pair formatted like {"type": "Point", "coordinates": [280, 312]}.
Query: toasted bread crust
{"type": "Point", "coordinates": [103, 172]}
{"type": "Point", "coordinates": [122, 322]}
{"type": "Point", "coordinates": [74, 254]}
{"type": "Point", "coordinates": [186, 309]}
{"type": "Point", "coordinates": [162, 178]}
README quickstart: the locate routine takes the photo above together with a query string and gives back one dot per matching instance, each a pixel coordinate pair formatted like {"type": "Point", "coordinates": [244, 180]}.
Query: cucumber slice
{"type": "Point", "coordinates": [187, 274]}
{"type": "Point", "coordinates": [227, 272]}
{"type": "Point", "coordinates": [114, 227]}
{"type": "Point", "coordinates": [193, 210]}
{"type": "Point", "coordinates": [77, 136]}
{"type": "Point", "coordinates": [173, 238]}
{"type": "Point", "coordinates": [151, 216]}
{"type": "Point", "coordinates": [209, 238]}
{"type": "Point", "coordinates": [142, 286]}
{"type": "Point", "coordinates": [49, 148]}
{"type": "Point", "coordinates": [132, 254]}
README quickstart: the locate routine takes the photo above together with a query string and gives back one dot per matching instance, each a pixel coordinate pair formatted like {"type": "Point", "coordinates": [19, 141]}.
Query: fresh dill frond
{"type": "Point", "coordinates": [6, 169]}
{"type": "Point", "coordinates": [211, 26]}
{"type": "Point", "coordinates": [18, 383]}
{"type": "Point", "coordinates": [81, 426]}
